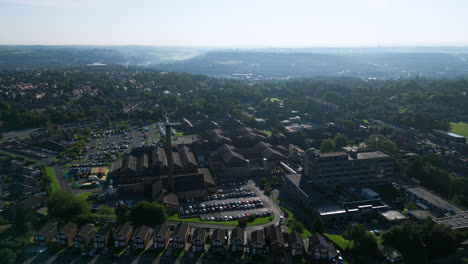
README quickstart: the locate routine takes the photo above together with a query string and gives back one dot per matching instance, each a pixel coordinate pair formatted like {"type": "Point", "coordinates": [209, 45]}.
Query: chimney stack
{"type": "Point", "coordinates": [170, 159]}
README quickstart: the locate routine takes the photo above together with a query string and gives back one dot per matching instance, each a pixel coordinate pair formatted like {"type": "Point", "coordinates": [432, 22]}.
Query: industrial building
{"type": "Point", "coordinates": [360, 167]}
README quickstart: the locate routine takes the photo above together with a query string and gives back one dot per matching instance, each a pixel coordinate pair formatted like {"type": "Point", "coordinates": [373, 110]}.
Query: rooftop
{"type": "Point", "coordinates": [457, 221]}
{"type": "Point", "coordinates": [450, 134]}
{"type": "Point", "coordinates": [392, 215]}
{"type": "Point", "coordinates": [432, 198]}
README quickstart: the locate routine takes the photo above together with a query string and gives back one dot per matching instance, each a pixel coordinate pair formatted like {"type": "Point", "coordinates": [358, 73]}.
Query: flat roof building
{"type": "Point", "coordinates": [369, 166]}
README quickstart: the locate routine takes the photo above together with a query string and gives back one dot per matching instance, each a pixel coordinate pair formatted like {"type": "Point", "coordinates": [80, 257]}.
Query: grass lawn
{"type": "Point", "coordinates": [257, 221]}
{"type": "Point", "coordinates": [268, 132]}
{"type": "Point", "coordinates": [460, 128]}
{"type": "Point", "coordinates": [273, 99]}
{"type": "Point", "coordinates": [83, 196]}
{"type": "Point", "coordinates": [178, 133]}
{"type": "Point", "coordinates": [290, 214]}
{"type": "Point", "coordinates": [54, 185]}
{"type": "Point", "coordinates": [339, 240]}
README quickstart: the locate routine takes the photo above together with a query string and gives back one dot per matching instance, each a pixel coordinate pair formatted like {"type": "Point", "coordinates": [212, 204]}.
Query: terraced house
{"type": "Point", "coordinates": [66, 234]}
{"type": "Point", "coordinates": [123, 235]}
{"type": "Point", "coordinates": [46, 235]}
{"type": "Point", "coordinates": [84, 237]}
{"type": "Point", "coordinates": [142, 237]}
{"type": "Point", "coordinates": [161, 237]}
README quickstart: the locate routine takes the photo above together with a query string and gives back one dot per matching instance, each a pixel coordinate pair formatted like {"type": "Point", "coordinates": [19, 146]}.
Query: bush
{"type": "Point", "coordinates": [251, 218]}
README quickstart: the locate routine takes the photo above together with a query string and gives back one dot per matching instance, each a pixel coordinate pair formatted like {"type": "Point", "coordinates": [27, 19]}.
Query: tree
{"type": "Point", "coordinates": [327, 145]}
{"type": "Point", "coordinates": [317, 225]}
{"type": "Point", "coordinates": [379, 141]}
{"type": "Point", "coordinates": [148, 213]}
{"type": "Point", "coordinates": [364, 243]}
{"type": "Point", "coordinates": [263, 182]}
{"type": "Point", "coordinates": [105, 210]}
{"type": "Point", "coordinates": [340, 140]}
{"type": "Point", "coordinates": [297, 226]}
{"type": "Point", "coordinates": [7, 256]}
{"type": "Point", "coordinates": [65, 205]}
{"type": "Point", "coordinates": [294, 158]}
{"type": "Point", "coordinates": [348, 124]}
{"type": "Point", "coordinates": [122, 213]}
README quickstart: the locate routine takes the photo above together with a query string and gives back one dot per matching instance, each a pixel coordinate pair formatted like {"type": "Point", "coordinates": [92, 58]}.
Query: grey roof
{"type": "Point", "coordinates": [316, 240]}
{"type": "Point", "coordinates": [181, 229]}
{"type": "Point", "coordinates": [219, 234]}
{"type": "Point", "coordinates": [158, 157]}
{"type": "Point", "coordinates": [177, 160]}
{"type": "Point", "coordinates": [104, 231]}
{"type": "Point", "coordinates": [295, 237]}
{"type": "Point", "coordinates": [187, 157]}
{"type": "Point", "coordinates": [86, 230]}
{"type": "Point", "coordinates": [142, 162]}
{"type": "Point", "coordinates": [143, 231]}
{"type": "Point", "coordinates": [199, 234]}
{"type": "Point", "coordinates": [162, 231]}
{"type": "Point", "coordinates": [276, 235]}
{"type": "Point", "coordinates": [129, 162]}
{"type": "Point", "coordinates": [171, 198]}
{"type": "Point", "coordinates": [67, 228]}
{"type": "Point", "coordinates": [47, 229]}
{"type": "Point", "coordinates": [231, 156]}
{"type": "Point", "coordinates": [258, 236]}
{"type": "Point", "coordinates": [238, 233]}
{"type": "Point", "coordinates": [124, 229]}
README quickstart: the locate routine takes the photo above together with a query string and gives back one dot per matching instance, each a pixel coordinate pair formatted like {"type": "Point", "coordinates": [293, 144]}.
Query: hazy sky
{"type": "Point", "coordinates": [235, 22]}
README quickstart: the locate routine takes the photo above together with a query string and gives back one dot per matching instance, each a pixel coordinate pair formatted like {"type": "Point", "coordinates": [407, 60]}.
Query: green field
{"type": "Point", "coordinates": [257, 221]}
{"type": "Point", "coordinates": [273, 99]}
{"type": "Point", "coordinates": [54, 185]}
{"type": "Point", "coordinates": [460, 128]}
{"type": "Point", "coordinates": [83, 196]}
{"type": "Point", "coordinates": [178, 133]}
{"type": "Point", "coordinates": [339, 240]}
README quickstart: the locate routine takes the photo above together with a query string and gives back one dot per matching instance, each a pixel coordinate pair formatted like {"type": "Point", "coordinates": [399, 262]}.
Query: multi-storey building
{"type": "Point", "coordinates": [369, 167]}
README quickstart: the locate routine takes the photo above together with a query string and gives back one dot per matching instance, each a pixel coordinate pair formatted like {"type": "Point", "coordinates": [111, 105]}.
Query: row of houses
{"type": "Point", "coordinates": [275, 239]}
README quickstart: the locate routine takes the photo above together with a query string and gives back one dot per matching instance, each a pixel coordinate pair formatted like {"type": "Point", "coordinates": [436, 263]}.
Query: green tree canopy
{"type": "Point", "coordinates": [379, 141]}
{"type": "Point", "coordinates": [327, 145]}
{"type": "Point", "coordinates": [148, 213]}
{"type": "Point", "coordinates": [65, 205]}
{"type": "Point", "coordinates": [340, 140]}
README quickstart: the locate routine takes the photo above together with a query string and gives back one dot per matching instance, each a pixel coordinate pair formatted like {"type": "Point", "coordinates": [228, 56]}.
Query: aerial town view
{"type": "Point", "coordinates": [186, 144]}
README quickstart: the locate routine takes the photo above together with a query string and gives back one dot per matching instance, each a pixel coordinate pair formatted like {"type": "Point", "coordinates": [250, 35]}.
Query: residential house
{"type": "Point", "coordinates": [258, 245]}
{"type": "Point", "coordinates": [199, 240]}
{"type": "Point", "coordinates": [296, 243]}
{"type": "Point", "coordinates": [123, 235]}
{"type": "Point", "coordinates": [66, 234]}
{"type": "Point", "coordinates": [101, 238]}
{"type": "Point", "coordinates": [320, 248]}
{"type": "Point", "coordinates": [237, 239]}
{"type": "Point", "coordinates": [180, 235]}
{"type": "Point", "coordinates": [161, 237]}
{"type": "Point", "coordinates": [218, 240]}
{"type": "Point", "coordinates": [45, 235]}
{"type": "Point", "coordinates": [142, 237]}
{"type": "Point", "coordinates": [275, 239]}
{"type": "Point", "coordinates": [84, 237]}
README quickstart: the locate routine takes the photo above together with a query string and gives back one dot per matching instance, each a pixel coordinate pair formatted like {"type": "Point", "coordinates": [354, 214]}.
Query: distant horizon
{"type": "Point", "coordinates": [240, 46]}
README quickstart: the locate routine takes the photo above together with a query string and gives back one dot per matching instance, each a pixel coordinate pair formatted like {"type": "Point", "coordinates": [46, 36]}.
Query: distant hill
{"type": "Point", "coordinates": [275, 64]}
{"type": "Point", "coordinates": [381, 63]}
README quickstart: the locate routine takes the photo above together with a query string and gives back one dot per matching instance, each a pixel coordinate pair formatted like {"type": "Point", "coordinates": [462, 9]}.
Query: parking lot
{"type": "Point", "coordinates": [233, 202]}
{"type": "Point", "coordinates": [105, 144]}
